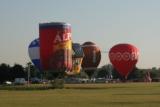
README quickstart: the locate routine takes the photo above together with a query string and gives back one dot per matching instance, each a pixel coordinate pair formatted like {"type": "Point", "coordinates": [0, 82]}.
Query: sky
{"type": "Point", "coordinates": [104, 22]}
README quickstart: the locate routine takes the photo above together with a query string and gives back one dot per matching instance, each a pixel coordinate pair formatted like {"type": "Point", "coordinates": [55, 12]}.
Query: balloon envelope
{"type": "Point", "coordinates": [77, 57]}
{"type": "Point", "coordinates": [55, 46]}
{"type": "Point", "coordinates": [124, 58]}
{"type": "Point", "coordinates": [92, 57]}
{"type": "Point", "coordinates": [77, 51]}
{"type": "Point", "coordinates": [33, 51]}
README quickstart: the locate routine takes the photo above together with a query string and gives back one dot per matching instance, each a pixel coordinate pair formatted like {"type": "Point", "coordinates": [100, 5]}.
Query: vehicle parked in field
{"type": "Point", "coordinates": [20, 81]}
{"type": "Point", "coordinates": [8, 83]}
{"type": "Point", "coordinates": [35, 80]}
{"type": "Point", "coordinates": [100, 80]}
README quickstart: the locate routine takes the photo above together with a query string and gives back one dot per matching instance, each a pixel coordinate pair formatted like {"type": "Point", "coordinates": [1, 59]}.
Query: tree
{"type": "Point", "coordinates": [134, 74]}
{"type": "Point", "coordinates": [18, 71]}
{"type": "Point", "coordinates": [33, 71]}
{"type": "Point", "coordinates": [4, 72]}
{"type": "Point", "coordinates": [155, 73]}
{"type": "Point", "coordinates": [115, 74]}
{"type": "Point", "coordinates": [105, 71]}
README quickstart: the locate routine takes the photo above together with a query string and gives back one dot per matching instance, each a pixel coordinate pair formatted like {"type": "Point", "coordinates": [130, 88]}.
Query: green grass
{"type": "Point", "coordinates": [86, 95]}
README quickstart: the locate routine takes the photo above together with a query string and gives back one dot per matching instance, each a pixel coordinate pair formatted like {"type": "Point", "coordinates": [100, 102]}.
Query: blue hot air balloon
{"type": "Point", "coordinates": [34, 53]}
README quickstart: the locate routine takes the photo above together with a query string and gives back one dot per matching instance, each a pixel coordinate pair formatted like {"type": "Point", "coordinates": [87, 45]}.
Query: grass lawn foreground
{"type": "Point", "coordinates": [86, 95]}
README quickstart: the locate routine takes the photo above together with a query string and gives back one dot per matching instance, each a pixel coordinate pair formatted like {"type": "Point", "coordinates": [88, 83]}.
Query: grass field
{"type": "Point", "coordinates": [86, 95]}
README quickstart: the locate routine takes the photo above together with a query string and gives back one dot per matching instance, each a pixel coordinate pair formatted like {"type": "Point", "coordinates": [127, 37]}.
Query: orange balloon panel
{"type": "Point", "coordinates": [76, 66]}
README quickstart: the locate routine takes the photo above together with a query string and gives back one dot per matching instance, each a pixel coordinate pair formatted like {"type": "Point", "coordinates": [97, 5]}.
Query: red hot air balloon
{"type": "Point", "coordinates": [55, 46]}
{"type": "Point", "coordinates": [124, 58]}
{"type": "Point", "coordinates": [92, 57]}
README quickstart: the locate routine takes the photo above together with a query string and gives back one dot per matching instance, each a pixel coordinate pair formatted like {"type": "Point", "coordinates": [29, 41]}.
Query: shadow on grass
{"type": "Point", "coordinates": [25, 87]}
{"type": "Point", "coordinates": [128, 103]}
{"type": "Point", "coordinates": [139, 94]}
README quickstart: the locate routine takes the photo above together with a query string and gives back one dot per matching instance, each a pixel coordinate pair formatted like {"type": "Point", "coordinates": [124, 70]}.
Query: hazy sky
{"type": "Point", "coordinates": [105, 22]}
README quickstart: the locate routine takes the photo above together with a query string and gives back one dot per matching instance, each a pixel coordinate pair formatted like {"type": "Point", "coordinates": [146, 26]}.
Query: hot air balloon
{"type": "Point", "coordinates": [33, 51]}
{"type": "Point", "coordinates": [77, 57]}
{"type": "Point", "coordinates": [92, 57]}
{"type": "Point", "coordinates": [55, 46]}
{"type": "Point", "coordinates": [124, 58]}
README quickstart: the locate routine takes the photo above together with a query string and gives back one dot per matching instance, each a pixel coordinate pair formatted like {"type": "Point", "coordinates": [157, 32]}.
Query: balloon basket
{"type": "Point", "coordinates": [123, 79]}
{"type": "Point", "coordinates": [89, 73]}
{"type": "Point", "coordinates": [58, 80]}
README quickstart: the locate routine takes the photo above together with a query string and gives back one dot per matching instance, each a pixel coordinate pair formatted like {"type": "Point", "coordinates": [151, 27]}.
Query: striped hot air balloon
{"type": "Point", "coordinates": [33, 51]}
{"type": "Point", "coordinates": [92, 57]}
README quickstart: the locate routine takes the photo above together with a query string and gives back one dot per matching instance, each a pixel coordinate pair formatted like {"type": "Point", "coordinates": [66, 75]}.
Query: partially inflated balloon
{"type": "Point", "coordinates": [124, 58]}
{"type": "Point", "coordinates": [33, 51]}
{"type": "Point", "coordinates": [77, 57]}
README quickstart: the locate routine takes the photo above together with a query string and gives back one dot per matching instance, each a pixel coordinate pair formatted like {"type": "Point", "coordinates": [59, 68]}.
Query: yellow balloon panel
{"type": "Point", "coordinates": [76, 66]}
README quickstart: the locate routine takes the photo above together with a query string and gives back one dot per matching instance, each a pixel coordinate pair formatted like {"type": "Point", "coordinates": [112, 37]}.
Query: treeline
{"type": "Point", "coordinates": [9, 73]}
{"type": "Point", "coordinates": [137, 74]}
